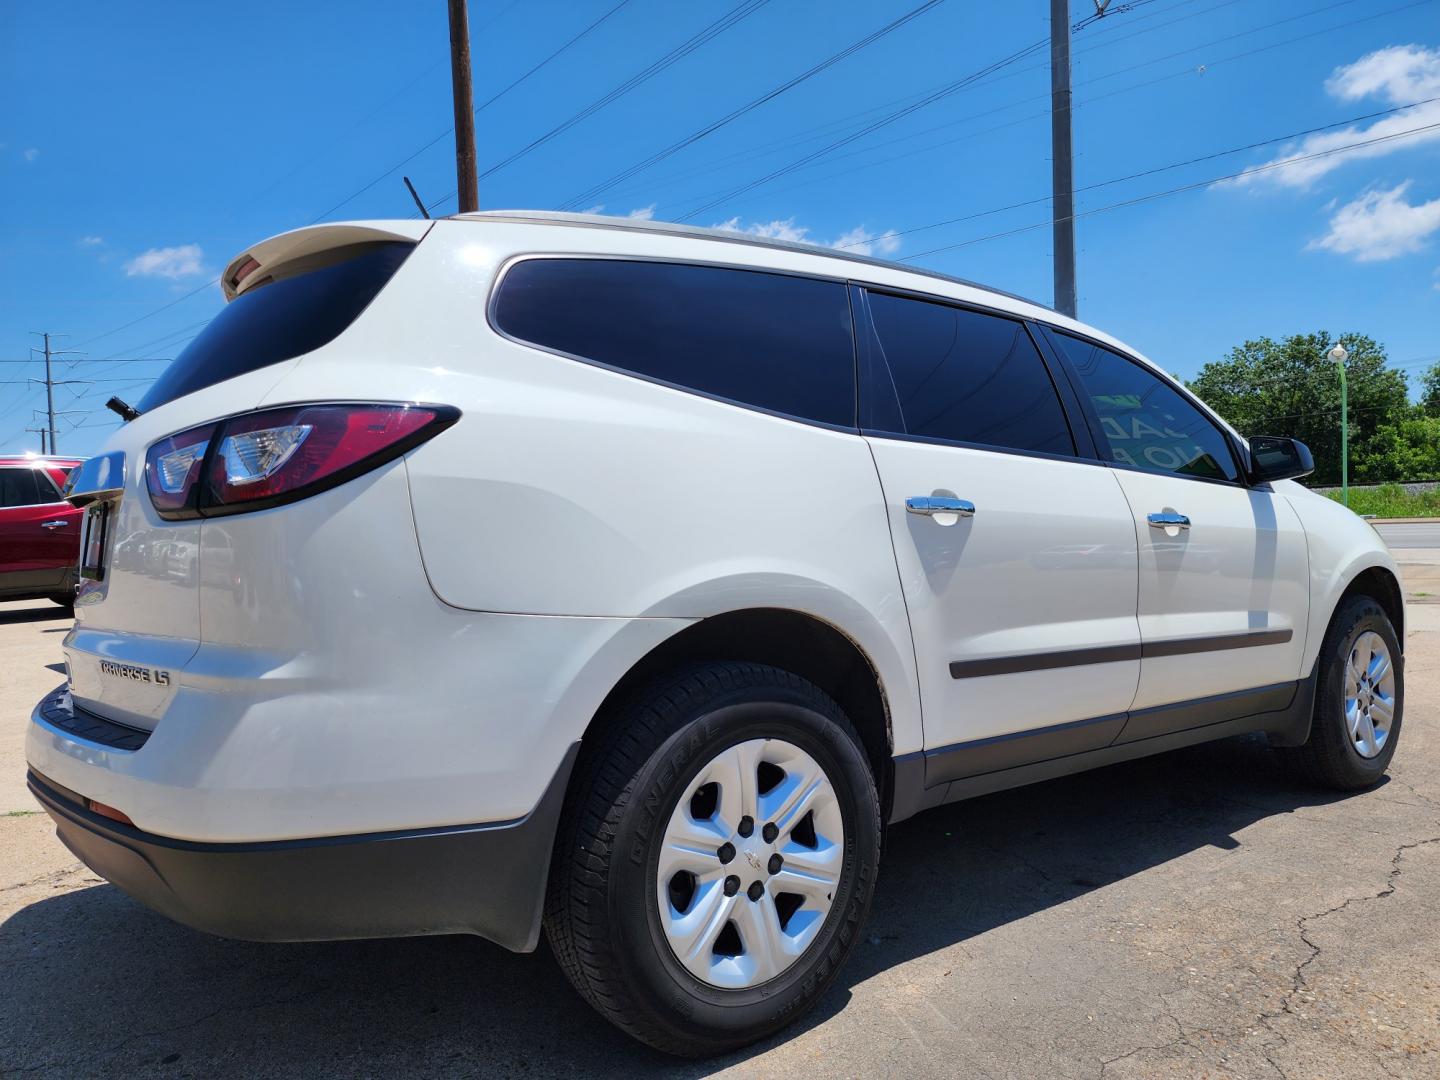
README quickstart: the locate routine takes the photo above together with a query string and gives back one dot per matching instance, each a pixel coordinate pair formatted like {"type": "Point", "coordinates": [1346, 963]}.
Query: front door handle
{"type": "Point", "coordinates": [931, 505]}
{"type": "Point", "coordinates": [1169, 520]}
{"type": "Point", "coordinates": [54, 524]}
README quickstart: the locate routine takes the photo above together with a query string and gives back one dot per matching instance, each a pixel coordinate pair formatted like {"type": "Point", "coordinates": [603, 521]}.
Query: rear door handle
{"type": "Point", "coordinates": [54, 524]}
{"type": "Point", "coordinates": [1169, 520]}
{"type": "Point", "coordinates": [930, 505]}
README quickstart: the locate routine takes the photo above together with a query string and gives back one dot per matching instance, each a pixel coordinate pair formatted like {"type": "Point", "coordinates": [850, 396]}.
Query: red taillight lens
{"type": "Point", "coordinates": [172, 467]}
{"type": "Point", "coordinates": [266, 458]}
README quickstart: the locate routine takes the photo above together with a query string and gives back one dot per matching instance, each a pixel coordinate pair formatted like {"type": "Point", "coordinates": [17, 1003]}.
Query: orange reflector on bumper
{"type": "Point", "coordinates": [108, 811]}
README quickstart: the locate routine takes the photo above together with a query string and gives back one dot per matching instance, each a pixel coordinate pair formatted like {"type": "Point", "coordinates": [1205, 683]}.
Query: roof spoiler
{"type": "Point", "coordinates": [245, 270]}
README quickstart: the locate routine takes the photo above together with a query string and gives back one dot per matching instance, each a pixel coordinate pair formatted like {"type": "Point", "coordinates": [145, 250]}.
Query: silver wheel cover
{"type": "Point", "coordinates": [738, 910]}
{"type": "Point", "coordinates": [1369, 700]}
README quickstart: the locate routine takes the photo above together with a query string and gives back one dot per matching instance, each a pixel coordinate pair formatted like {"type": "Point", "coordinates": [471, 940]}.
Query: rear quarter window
{"type": "Point", "coordinates": [773, 341]}
{"type": "Point", "coordinates": [280, 320]}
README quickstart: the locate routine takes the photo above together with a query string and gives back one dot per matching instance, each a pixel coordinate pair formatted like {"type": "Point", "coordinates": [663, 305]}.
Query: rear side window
{"type": "Point", "coordinates": [280, 320]}
{"type": "Point", "coordinates": [19, 487]}
{"type": "Point", "coordinates": [1147, 423]}
{"type": "Point", "coordinates": [964, 376]}
{"type": "Point", "coordinates": [773, 341]}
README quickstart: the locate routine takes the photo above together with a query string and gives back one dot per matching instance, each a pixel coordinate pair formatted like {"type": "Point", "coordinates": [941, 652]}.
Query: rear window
{"type": "Point", "coordinates": [773, 341]}
{"type": "Point", "coordinates": [280, 320]}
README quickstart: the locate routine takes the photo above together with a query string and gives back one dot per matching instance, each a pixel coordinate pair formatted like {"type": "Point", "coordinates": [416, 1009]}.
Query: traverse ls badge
{"type": "Point", "coordinates": [152, 676]}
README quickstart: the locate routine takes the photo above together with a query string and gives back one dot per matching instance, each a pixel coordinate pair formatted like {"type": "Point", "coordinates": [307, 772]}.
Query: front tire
{"type": "Point", "coordinates": [716, 857]}
{"type": "Point", "coordinates": [1359, 701]}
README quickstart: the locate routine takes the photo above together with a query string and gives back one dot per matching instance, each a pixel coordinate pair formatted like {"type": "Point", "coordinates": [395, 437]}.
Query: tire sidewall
{"type": "Point", "coordinates": [1358, 617]}
{"type": "Point", "coordinates": [655, 972]}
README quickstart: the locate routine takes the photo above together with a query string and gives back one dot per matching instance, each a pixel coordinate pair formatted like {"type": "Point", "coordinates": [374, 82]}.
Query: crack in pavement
{"type": "Point", "coordinates": [1297, 982]}
{"type": "Point", "coordinates": [1298, 979]}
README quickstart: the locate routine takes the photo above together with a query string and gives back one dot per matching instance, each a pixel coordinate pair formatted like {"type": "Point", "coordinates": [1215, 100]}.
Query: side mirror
{"type": "Point", "coordinates": [1273, 458]}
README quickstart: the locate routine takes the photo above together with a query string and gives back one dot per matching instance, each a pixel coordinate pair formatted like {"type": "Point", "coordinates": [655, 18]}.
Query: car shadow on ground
{"type": "Point", "coordinates": [105, 986]}
{"type": "Point", "coordinates": [46, 612]}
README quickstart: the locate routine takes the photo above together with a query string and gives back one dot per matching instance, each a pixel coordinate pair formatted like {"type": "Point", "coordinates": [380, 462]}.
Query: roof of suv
{"type": "Point", "coordinates": [556, 217]}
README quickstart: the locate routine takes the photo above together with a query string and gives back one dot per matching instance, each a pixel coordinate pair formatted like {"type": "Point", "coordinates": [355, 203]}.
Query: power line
{"type": "Point", "coordinates": [732, 17]}
{"type": "Point", "coordinates": [1253, 170]}
{"type": "Point", "coordinates": [890, 118]}
{"type": "Point", "coordinates": [791, 140]}
{"type": "Point", "coordinates": [481, 108]}
{"type": "Point", "coordinates": [1187, 70]}
{"type": "Point", "coordinates": [494, 98]}
{"type": "Point", "coordinates": [1157, 169]}
{"type": "Point", "coordinates": [590, 194]}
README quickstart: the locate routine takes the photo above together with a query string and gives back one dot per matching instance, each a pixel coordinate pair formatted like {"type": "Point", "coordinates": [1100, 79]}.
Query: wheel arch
{"type": "Point", "coordinates": [791, 640]}
{"type": "Point", "coordinates": [1383, 586]}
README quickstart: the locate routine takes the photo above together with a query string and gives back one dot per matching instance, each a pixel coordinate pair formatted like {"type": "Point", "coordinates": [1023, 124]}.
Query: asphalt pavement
{"type": "Point", "coordinates": [1195, 914]}
{"type": "Point", "coordinates": [1411, 534]}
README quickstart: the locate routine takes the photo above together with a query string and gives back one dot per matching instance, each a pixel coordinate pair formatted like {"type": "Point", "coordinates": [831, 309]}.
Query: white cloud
{"type": "Point", "coordinates": [862, 241]}
{"type": "Point", "coordinates": [1397, 75]}
{"type": "Point", "coordinates": [598, 208]}
{"type": "Point", "coordinates": [29, 154]}
{"type": "Point", "coordinates": [642, 213]}
{"type": "Point", "coordinates": [857, 241]}
{"type": "Point", "coordinates": [91, 241]}
{"type": "Point", "coordinates": [170, 262]}
{"type": "Point", "coordinates": [770, 230]}
{"type": "Point", "coordinates": [1381, 225]}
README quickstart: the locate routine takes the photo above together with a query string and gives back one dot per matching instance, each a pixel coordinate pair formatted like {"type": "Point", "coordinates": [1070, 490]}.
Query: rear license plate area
{"type": "Point", "coordinates": [94, 540]}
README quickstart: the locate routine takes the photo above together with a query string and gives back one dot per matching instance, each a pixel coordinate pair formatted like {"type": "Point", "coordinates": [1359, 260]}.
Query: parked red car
{"type": "Point", "coordinates": [39, 530]}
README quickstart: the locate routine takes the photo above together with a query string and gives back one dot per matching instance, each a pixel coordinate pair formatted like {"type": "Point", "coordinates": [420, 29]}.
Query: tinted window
{"type": "Point", "coordinates": [280, 320]}
{"type": "Point", "coordinates": [776, 342]}
{"type": "Point", "coordinates": [18, 487]}
{"type": "Point", "coordinates": [1148, 423]}
{"type": "Point", "coordinates": [968, 377]}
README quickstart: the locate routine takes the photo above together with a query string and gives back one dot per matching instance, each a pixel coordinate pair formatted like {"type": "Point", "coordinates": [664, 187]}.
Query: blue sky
{"type": "Point", "coordinates": [142, 146]}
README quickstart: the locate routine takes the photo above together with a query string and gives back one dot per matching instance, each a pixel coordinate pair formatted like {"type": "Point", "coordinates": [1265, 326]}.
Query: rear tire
{"type": "Point", "coordinates": [1361, 678]}
{"type": "Point", "coordinates": [613, 919]}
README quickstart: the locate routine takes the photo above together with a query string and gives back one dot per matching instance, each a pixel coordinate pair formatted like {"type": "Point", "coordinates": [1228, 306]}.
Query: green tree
{"type": "Point", "coordinates": [1408, 449]}
{"type": "Point", "coordinates": [1430, 390]}
{"type": "Point", "coordinates": [1290, 387]}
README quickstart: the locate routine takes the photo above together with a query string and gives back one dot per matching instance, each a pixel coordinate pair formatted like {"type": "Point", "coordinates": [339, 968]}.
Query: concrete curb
{"type": "Point", "coordinates": [1403, 521]}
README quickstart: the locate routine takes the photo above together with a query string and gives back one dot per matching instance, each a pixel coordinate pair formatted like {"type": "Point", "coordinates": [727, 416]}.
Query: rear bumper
{"type": "Point", "coordinates": [486, 879]}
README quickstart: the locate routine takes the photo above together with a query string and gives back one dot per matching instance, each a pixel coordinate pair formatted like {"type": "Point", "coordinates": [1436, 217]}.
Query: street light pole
{"type": "Point", "coordinates": [1339, 355]}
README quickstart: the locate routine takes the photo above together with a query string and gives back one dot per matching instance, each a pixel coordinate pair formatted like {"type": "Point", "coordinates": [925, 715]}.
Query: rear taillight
{"type": "Point", "coordinates": [261, 459]}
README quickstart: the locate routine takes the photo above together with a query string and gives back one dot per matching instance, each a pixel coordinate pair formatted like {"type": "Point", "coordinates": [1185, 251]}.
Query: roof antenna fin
{"type": "Point", "coordinates": [418, 204]}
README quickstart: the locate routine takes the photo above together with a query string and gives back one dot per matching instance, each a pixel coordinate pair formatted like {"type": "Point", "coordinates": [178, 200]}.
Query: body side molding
{"type": "Point", "coordinates": [1105, 654]}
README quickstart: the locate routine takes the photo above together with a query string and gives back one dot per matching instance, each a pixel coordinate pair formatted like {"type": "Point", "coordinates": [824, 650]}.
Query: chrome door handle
{"type": "Point", "coordinates": [1168, 520]}
{"type": "Point", "coordinates": [54, 524]}
{"type": "Point", "coordinates": [930, 505]}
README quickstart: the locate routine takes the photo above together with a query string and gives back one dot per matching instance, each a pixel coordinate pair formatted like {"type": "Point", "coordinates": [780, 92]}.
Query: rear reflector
{"type": "Point", "coordinates": [268, 458]}
{"type": "Point", "coordinates": [108, 811]}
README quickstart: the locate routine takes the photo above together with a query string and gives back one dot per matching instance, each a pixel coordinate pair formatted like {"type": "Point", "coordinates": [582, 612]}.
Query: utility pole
{"type": "Point", "coordinates": [41, 432]}
{"type": "Point", "coordinates": [468, 182]}
{"type": "Point", "coordinates": [49, 391]}
{"type": "Point", "coordinates": [50, 382]}
{"type": "Point", "coordinates": [1061, 162]}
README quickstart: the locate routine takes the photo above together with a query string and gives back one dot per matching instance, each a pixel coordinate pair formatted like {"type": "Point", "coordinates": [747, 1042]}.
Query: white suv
{"type": "Point", "coordinates": [521, 569]}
